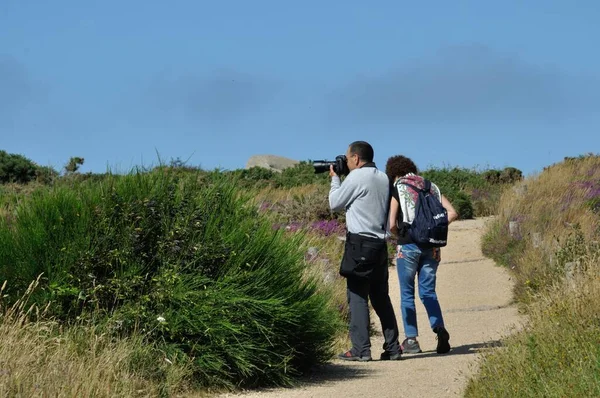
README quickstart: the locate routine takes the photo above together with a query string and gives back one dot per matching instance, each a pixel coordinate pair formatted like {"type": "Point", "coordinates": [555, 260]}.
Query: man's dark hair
{"type": "Point", "coordinates": [399, 166]}
{"type": "Point", "coordinates": [363, 149]}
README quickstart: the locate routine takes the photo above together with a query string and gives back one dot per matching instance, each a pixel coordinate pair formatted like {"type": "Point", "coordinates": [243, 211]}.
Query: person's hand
{"type": "Point", "coordinates": [331, 172]}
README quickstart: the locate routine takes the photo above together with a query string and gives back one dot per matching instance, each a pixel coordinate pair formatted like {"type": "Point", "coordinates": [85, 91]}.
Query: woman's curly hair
{"type": "Point", "coordinates": [399, 166]}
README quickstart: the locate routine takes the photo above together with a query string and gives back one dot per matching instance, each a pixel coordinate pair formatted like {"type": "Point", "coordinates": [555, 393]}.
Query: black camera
{"type": "Point", "coordinates": [340, 165]}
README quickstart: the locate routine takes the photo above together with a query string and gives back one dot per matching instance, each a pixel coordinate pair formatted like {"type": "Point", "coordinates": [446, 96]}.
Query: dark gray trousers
{"type": "Point", "coordinates": [360, 255]}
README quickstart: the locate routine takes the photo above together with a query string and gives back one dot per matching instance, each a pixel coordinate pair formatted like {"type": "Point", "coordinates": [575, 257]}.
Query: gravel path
{"type": "Point", "coordinates": [475, 296]}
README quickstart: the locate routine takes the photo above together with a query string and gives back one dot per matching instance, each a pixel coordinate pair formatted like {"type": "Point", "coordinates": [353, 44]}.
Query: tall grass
{"type": "Point", "coordinates": [191, 266]}
{"type": "Point", "coordinates": [547, 209]}
{"type": "Point", "coordinates": [554, 256]}
{"type": "Point", "coordinates": [41, 358]}
{"type": "Point", "coordinates": [558, 354]}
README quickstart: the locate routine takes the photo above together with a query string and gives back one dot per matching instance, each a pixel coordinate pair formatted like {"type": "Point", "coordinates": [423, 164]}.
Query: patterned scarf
{"type": "Point", "coordinates": [417, 181]}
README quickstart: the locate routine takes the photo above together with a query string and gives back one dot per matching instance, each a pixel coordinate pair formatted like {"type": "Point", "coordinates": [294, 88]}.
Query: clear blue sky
{"type": "Point", "coordinates": [462, 83]}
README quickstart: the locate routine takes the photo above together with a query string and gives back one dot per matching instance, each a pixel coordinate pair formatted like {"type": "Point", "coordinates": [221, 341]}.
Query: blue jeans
{"type": "Point", "coordinates": [411, 261]}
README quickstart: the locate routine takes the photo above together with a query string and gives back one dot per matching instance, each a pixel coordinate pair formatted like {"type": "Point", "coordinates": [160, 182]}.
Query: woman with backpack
{"type": "Point", "coordinates": [419, 217]}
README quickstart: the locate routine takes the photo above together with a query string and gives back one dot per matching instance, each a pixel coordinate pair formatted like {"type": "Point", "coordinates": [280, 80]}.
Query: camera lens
{"type": "Point", "coordinates": [322, 166]}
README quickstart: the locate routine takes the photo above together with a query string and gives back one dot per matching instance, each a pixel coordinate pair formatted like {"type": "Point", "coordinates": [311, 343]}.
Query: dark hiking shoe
{"type": "Point", "coordinates": [443, 346]}
{"type": "Point", "coordinates": [388, 356]}
{"type": "Point", "coordinates": [348, 356]}
{"type": "Point", "coordinates": [410, 346]}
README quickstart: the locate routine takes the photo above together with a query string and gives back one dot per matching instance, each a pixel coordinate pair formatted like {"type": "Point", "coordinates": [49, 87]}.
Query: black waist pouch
{"type": "Point", "coordinates": [363, 256]}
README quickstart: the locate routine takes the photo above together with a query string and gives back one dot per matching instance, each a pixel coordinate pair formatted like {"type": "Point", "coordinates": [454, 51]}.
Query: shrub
{"type": "Point", "coordinates": [492, 176]}
{"type": "Point", "coordinates": [455, 178]}
{"type": "Point", "coordinates": [74, 163]}
{"type": "Point", "coordinates": [45, 174]}
{"type": "Point", "coordinates": [16, 168]}
{"type": "Point", "coordinates": [510, 175]}
{"type": "Point", "coordinates": [254, 175]}
{"type": "Point", "coordinates": [301, 174]}
{"type": "Point", "coordinates": [259, 177]}
{"type": "Point", "coordinates": [461, 202]}
{"type": "Point", "coordinates": [194, 266]}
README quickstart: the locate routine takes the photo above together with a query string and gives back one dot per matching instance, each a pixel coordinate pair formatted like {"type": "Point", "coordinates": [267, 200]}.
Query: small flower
{"type": "Point", "coordinates": [161, 319]}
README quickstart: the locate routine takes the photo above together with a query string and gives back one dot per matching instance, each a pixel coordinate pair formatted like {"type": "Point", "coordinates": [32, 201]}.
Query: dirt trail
{"type": "Point", "coordinates": [475, 296]}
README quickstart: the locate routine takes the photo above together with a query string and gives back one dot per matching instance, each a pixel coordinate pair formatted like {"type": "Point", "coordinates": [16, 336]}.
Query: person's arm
{"type": "Point", "coordinates": [341, 195]}
{"type": "Point", "coordinates": [452, 213]}
{"type": "Point", "coordinates": [394, 205]}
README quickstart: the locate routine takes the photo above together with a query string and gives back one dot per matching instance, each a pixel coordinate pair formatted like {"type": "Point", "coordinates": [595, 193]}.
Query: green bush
{"type": "Point", "coordinates": [301, 174]}
{"type": "Point", "coordinates": [510, 175]}
{"type": "Point", "coordinates": [192, 265]}
{"type": "Point", "coordinates": [456, 178]}
{"type": "Point", "coordinates": [492, 176]}
{"type": "Point", "coordinates": [254, 176]}
{"type": "Point", "coordinates": [259, 177]}
{"type": "Point", "coordinates": [16, 168]}
{"type": "Point", "coordinates": [45, 174]}
{"type": "Point", "coordinates": [73, 165]}
{"type": "Point", "coordinates": [462, 203]}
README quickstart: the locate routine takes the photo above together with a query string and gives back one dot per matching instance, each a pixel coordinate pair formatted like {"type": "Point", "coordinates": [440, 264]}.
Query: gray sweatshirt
{"type": "Point", "coordinates": [365, 196]}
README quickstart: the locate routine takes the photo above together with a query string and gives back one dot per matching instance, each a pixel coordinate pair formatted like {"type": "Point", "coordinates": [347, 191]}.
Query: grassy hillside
{"type": "Point", "coordinates": [554, 254]}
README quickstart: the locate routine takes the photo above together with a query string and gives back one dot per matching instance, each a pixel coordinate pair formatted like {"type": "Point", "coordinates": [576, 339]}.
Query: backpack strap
{"type": "Point", "coordinates": [426, 185]}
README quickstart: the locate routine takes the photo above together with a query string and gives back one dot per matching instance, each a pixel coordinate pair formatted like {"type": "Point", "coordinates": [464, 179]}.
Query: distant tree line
{"type": "Point", "coordinates": [15, 168]}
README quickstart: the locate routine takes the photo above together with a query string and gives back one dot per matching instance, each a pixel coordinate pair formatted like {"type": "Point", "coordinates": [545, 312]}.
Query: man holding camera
{"type": "Point", "coordinates": [365, 195]}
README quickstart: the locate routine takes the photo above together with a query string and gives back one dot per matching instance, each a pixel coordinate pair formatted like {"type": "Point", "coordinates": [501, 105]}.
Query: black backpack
{"type": "Point", "coordinates": [430, 226]}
